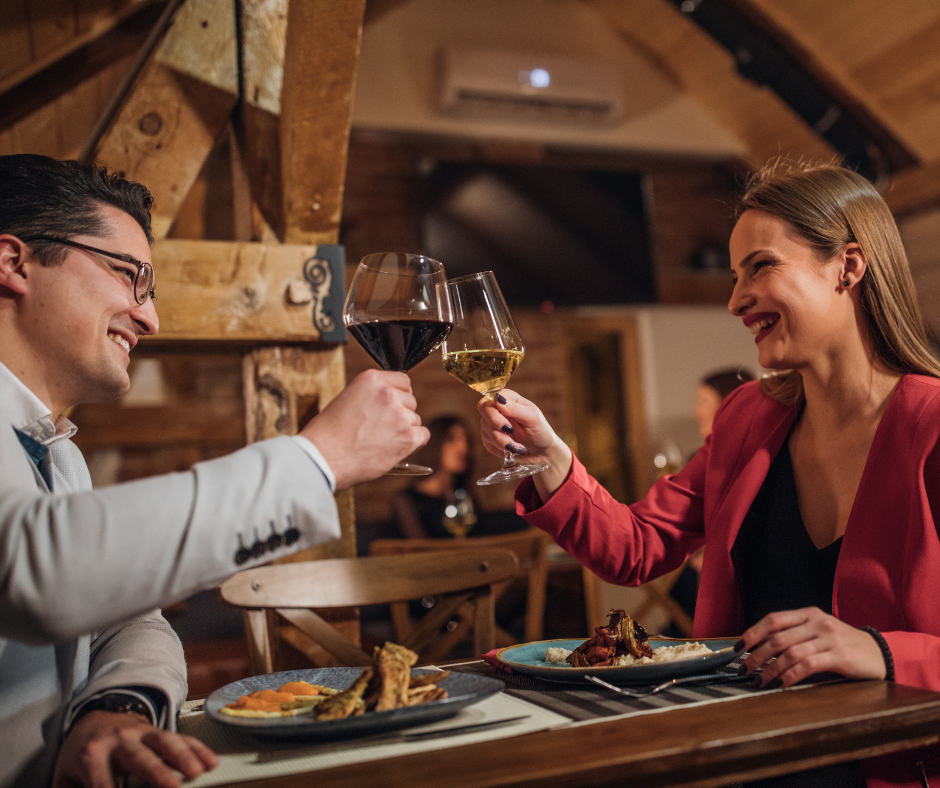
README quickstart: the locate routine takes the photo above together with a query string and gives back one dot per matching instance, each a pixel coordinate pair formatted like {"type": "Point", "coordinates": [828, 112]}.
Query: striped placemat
{"type": "Point", "coordinates": [586, 701]}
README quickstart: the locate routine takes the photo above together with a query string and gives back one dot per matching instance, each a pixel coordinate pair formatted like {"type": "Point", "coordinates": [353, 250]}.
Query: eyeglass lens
{"type": "Point", "coordinates": [143, 283]}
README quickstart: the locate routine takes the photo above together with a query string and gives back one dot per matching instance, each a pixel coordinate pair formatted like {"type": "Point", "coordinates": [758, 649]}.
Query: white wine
{"type": "Point", "coordinates": [483, 370]}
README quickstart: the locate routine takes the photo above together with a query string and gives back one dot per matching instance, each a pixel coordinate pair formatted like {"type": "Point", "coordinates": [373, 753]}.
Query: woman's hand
{"type": "Point", "coordinates": [806, 642]}
{"type": "Point", "coordinates": [512, 423]}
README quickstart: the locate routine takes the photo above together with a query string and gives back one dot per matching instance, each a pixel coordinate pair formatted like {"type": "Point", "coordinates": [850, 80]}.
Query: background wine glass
{"type": "Point", "coordinates": [484, 349]}
{"type": "Point", "coordinates": [397, 308]}
{"type": "Point", "coordinates": [459, 514]}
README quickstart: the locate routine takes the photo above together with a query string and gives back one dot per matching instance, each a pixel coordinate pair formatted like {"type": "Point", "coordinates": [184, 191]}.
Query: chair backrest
{"type": "Point", "coordinates": [461, 580]}
{"type": "Point", "coordinates": [528, 546]}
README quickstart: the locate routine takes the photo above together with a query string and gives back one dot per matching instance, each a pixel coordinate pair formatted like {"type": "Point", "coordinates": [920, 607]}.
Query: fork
{"type": "Point", "coordinates": [708, 678]}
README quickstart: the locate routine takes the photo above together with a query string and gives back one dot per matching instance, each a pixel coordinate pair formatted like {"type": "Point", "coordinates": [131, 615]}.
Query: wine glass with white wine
{"type": "Point", "coordinates": [483, 349]}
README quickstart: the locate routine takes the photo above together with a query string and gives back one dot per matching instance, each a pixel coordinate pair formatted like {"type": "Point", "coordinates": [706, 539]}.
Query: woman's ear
{"type": "Point", "coordinates": [12, 270]}
{"type": "Point", "coordinates": [854, 266]}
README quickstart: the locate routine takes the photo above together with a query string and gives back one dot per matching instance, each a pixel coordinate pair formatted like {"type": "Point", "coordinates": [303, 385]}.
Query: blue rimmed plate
{"type": "Point", "coordinates": [530, 658]}
{"type": "Point", "coordinates": [463, 690]}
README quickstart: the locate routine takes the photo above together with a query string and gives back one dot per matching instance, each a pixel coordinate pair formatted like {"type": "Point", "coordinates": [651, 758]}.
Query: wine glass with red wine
{"type": "Point", "coordinates": [397, 308]}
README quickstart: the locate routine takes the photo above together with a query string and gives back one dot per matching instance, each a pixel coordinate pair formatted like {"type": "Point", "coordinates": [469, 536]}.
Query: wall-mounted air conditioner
{"type": "Point", "coordinates": [528, 86]}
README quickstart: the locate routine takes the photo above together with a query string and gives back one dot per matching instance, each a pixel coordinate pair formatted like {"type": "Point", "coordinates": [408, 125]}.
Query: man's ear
{"type": "Point", "coordinates": [12, 270]}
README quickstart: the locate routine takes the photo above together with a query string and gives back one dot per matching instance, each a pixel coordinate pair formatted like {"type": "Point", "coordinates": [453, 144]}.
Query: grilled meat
{"type": "Point", "coordinates": [621, 636]}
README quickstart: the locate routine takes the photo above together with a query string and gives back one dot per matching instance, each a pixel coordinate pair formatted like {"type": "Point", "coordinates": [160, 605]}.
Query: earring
{"type": "Point", "coordinates": [845, 282]}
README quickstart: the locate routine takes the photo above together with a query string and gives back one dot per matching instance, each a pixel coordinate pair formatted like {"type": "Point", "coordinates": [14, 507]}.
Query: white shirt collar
{"type": "Point", "coordinates": [28, 414]}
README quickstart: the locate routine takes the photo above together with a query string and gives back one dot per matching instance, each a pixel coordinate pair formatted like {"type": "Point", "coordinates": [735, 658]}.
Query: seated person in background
{"type": "Point", "coordinates": [439, 506]}
{"type": "Point", "coordinates": [91, 675]}
{"type": "Point", "coordinates": [711, 392]}
{"type": "Point", "coordinates": [817, 495]}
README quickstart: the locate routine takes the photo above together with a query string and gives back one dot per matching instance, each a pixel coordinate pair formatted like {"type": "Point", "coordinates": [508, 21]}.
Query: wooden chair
{"type": "Point", "coordinates": [653, 606]}
{"type": "Point", "coordinates": [528, 546]}
{"type": "Point", "coordinates": [462, 579]}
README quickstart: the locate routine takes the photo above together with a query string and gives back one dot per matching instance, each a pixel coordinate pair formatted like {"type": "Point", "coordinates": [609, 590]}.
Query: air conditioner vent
{"type": "Point", "coordinates": [522, 86]}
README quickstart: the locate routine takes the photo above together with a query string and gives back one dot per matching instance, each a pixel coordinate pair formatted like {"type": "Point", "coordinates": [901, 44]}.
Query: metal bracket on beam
{"type": "Point", "coordinates": [326, 275]}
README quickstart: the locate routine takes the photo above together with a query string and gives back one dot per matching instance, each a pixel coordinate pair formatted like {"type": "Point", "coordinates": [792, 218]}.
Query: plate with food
{"type": "Point", "coordinates": [338, 703]}
{"type": "Point", "coordinates": [620, 652]}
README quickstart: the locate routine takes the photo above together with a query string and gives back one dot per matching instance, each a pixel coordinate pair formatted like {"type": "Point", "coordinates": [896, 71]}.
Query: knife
{"type": "Point", "coordinates": [438, 734]}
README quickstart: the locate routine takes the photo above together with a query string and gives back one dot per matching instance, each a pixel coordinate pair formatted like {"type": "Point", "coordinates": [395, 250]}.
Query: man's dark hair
{"type": "Point", "coordinates": [43, 196]}
{"type": "Point", "coordinates": [725, 381]}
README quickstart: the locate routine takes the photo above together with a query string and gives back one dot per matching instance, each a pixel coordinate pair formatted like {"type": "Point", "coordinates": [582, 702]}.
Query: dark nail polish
{"type": "Point", "coordinates": [739, 646]}
{"type": "Point", "coordinates": [501, 399]}
{"type": "Point", "coordinates": [742, 671]}
{"type": "Point", "coordinates": [775, 684]}
{"type": "Point", "coordinates": [507, 429]}
{"type": "Point", "coordinates": [516, 449]}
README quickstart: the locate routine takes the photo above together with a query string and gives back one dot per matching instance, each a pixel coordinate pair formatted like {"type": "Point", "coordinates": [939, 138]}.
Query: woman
{"type": "Point", "coordinates": [817, 494]}
{"type": "Point", "coordinates": [420, 510]}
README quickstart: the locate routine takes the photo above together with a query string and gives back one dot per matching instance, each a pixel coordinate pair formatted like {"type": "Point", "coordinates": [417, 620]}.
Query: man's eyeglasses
{"type": "Point", "coordinates": [141, 275]}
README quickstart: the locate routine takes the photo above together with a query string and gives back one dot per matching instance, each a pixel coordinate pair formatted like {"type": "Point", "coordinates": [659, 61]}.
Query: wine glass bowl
{"type": "Point", "coordinates": [483, 350]}
{"type": "Point", "coordinates": [398, 310]}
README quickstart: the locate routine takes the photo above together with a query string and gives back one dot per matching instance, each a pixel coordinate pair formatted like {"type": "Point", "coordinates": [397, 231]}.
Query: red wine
{"type": "Point", "coordinates": [400, 344]}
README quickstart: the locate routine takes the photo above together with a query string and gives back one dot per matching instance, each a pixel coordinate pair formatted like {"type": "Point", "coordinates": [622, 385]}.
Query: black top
{"type": "Point", "coordinates": [779, 568]}
{"type": "Point", "coordinates": [777, 565]}
{"type": "Point", "coordinates": [430, 512]}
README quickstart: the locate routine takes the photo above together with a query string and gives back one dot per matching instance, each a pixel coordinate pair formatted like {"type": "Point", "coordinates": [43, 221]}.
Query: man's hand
{"type": "Point", "coordinates": [369, 427]}
{"type": "Point", "coordinates": [104, 745]}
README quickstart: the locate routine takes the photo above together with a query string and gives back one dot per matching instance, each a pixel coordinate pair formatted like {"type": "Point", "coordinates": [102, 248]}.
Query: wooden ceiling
{"type": "Point", "coordinates": [880, 60]}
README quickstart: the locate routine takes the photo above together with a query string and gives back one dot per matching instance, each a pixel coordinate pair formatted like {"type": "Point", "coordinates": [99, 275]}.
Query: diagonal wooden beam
{"type": "Point", "coordinates": [91, 26]}
{"type": "Point", "coordinates": [914, 189]}
{"type": "Point", "coordinates": [707, 72]}
{"type": "Point", "coordinates": [177, 108]}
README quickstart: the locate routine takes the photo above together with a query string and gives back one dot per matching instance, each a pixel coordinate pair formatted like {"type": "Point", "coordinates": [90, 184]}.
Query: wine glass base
{"type": "Point", "coordinates": [409, 469]}
{"type": "Point", "coordinates": [512, 474]}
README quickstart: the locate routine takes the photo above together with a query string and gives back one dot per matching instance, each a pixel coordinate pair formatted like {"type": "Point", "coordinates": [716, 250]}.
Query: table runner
{"type": "Point", "coordinates": [584, 702]}
{"type": "Point", "coordinates": [243, 757]}
{"type": "Point", "coordinates": [548, 705]}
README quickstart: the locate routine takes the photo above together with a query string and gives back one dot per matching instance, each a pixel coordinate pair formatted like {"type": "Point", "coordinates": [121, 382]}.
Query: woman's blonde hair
{"type": "Point", "coordinates": [830, 206]}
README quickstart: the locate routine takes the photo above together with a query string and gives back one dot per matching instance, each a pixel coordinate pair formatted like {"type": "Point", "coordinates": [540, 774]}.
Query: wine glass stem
{"type": "Point", "coordinates": [509, 460]}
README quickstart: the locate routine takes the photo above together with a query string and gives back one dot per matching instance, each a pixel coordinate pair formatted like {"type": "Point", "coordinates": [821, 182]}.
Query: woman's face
{"type": "Point", "coordinates": [707, 401]}
{"type": "Point", "coordinates": [455, 450]}
{"type": "Point", "coordinates": [786, 294]}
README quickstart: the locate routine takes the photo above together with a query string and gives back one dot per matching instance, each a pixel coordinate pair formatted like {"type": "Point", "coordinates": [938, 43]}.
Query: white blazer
{"type": "Point", "coordinates": [81, 574]}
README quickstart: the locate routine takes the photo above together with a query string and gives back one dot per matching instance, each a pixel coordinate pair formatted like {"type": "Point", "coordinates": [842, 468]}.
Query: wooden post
{"type": "Point", "coordinates": [299, 65]}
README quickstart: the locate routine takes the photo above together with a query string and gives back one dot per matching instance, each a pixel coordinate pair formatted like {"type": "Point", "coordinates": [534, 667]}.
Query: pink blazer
{"type": "Point", "coordinates": [888, 574]}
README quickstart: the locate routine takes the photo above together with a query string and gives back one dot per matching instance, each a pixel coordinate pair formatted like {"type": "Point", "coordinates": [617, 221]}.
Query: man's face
{"type": "Point", "coordinates": [82, 320]}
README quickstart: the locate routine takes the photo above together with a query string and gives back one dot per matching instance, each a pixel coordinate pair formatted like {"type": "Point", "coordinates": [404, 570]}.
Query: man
{"type": "Point", "coordinates": [91, 676]}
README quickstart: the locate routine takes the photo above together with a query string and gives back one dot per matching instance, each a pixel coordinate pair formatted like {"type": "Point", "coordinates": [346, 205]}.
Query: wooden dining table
{"type": "Point", "coordinates": [697, 746]}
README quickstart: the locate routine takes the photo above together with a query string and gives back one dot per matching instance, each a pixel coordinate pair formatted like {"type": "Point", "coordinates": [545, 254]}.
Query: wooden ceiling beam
{"type": "Point", "coordinates": [797, 38]}
{"type": "Point", "coordinates": [707, 72]}
{"type": "Point", "coordinates": [32, 88]}
{"type": "Point", "coordinates": [177, 108]}
{"type": "Point", "coordinates": [24, 59]}
{"type": "Point", "coordinates": [913, 190]}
